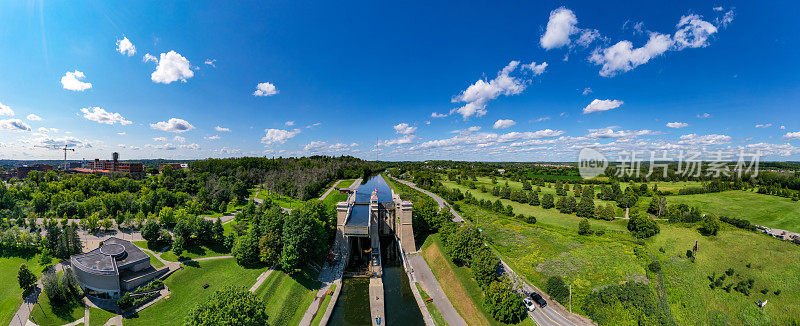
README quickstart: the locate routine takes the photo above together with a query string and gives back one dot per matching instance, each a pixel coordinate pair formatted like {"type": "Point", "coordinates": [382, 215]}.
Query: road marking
{"type": "Point", "coordinates": [548, 317]}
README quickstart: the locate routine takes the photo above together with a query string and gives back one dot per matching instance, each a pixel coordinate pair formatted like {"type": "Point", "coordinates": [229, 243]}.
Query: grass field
{"type": "Point", "coordinates": [44, 314]}
{"type": "Point", "coordinates": [438, 320]}
{"type": "Point", "coordinates": [458, 285]}
{"type": "Point", "coordinates": [10, 292]}
{"type": "Point", "coordinates": [323, 306]}
{"type": "Point", "coordinates": [98, 317]}
{"type": "Point", "coordinates": [771, 211]}
{"type": "Point", "coordinates": [288, 296]}
{"type": "Point", "coordinates": [154, 261]}
{"type": "Point", "coordinates": [195, 252]}
{"type": "Point", "coordinates": [662, 185]}
{"type": "Point", "coordinates": [187, 292]}
{"type": "Point", "coordinates": [282, 201]}
{"type": "Point", "coordinates": [231, 208]}
{"type": "Point", "coordinates": [773, 265]}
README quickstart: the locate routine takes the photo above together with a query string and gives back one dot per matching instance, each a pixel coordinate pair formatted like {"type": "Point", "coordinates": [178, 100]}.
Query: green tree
{"type": "Point", "coordinates": [642, 227]}
{"type": "Point", "coordinates": [151, 231]}
{"type": "Point", "coordinates": [584, 228]}
{"type": "Point", "coordinates": [178, 245]}
{"type": "Point", "coordinates": [710, 225]}
{"type": "Point", "coordinates": [304, 237]}
{"type": "Point", "coordinates": [462, 244]}
{"type": "Point", "coordinates": [586, 206]}
{"type": "Point", "coordinates": [534, 198]}
{"type": "Point", "coordinates": [557, 289]}
{"type": "Point", "coordinates": [25, 278]}
{"type": "Point", "coordinates": [547, 201]}
{"type": "Point", "coordinates": [270, 248]}
{"type": "Point", "coordinates": [246, 249]}
{"type": "Point", "coordinates": [229, 306]}
{"type": "Point", "coordinates": [503, 303]}
{"type": "Point", "coordinates": [484, 266]}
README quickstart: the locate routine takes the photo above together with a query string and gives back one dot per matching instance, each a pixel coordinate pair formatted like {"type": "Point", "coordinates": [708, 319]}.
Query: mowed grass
{"type": "Point", "coordinates": [187, 292]}
{"type": "Point", "coordinates": [773, 265]}
{"type": "Point", "coordinates": [45, 314]}
{"type": "Point", "coordinates": [771, 211]}
{"type": "Point", "coordinates": [155, 262]}
{"type": "Point", "coordinates": [98, 317]}
{"type": "Point", "coordinates": [435, 314]}
{"type": "Point", "coordinates": [545, 216]}
{"type": "Point", "coordinates": [10, 292]}
{"type": "Point", "coordinates": [537, 253]}
{"type": "Point", "coordinates": [458, 285]}
{"type": "Point", "coordinates": [195, 252]}
{"type": "Point", "coordinates": [282, 201]}
{"type": "Point", "coordinates": [288, 296]}
{"type": "Point", "coordinates": [324, 306]}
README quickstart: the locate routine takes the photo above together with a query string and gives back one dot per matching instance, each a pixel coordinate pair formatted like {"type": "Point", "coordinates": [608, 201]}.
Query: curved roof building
{"type": "Point", "coordinates": [110, 269]}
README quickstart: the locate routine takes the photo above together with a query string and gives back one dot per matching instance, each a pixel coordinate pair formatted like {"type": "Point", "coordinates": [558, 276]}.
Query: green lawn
{"type": "Point", "coordinates": [773, 265]}
{"type": "Point", "coordinates": [230, 209]}
{"type": "Point", "coordinates": [187, 292]}
{"type": "Point", "coordinates": [44, 314]}
{"type": "Point", "coordinates": [458, 284]}
{"type": "Point", "coordinates": [98, 317]}
{"type": "Point", "coordinates": [438, 320]}
{"type": "Point", "coordinates": [323, 306]}
{"type": "Point", "coordinates": [10, 292]}
{"type": "Point", "coordinates": [154, 261]}
{"type": "Point", "coordinates": [282, 201]}
{"type": "Point", "coordinates": [195, 252]}
{"type": "Point", "coordinates": [288, 296]}
{"type": "Point", "coordinates": [771, 211]}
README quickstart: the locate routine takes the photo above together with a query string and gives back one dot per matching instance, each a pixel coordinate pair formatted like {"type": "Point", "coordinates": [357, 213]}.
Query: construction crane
{"type": "Point", "coordinates": [65, 149]}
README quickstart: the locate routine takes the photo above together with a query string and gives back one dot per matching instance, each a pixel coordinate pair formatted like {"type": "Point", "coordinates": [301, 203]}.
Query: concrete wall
{"type": "Point", "coordinates": [131, 284]}
{"type": "Point", "coordinates": [97, 282]}
{"type": "Point", "coordinates": [405, 229]}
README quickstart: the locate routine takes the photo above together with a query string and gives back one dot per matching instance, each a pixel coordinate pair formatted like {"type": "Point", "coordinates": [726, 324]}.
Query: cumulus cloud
{"type": "Point", "coordinates": [726, 19]}
{"type": "Point", "coordinates": [179, 139]}
{"type": "Point", "coordinates": [560, 27]}
{"type": "Point", "coordinates": [609, 132]}
{"type": "Point", "coordinates": [536, 69]}
{"type": "Point", "coordinates": [789, 135]}
{"type": "Point", "coordinates": [477, 95]}
{"type": "Point", "coordinates": [704, 116]}
{"type": "Point", "coordinates": [265, 89]}
{"type": "Point", "coordinates": [289, 123]}
{"type": "Point", "coordinates": [278, 136]}
{"type": "Point", "coordinates": [406, 139]}
{"type": "Point", "coordinates": [321, 146]}
{"type": "Point", "coordinates": [586, 91]}
{"type": "Point", "coordinates": [215, 137]}
{"type": "Point", "coordinates": [503, 123]}
{"type": "Point", "coordinates": [764, 125]}
{"type": "Point", "coordinates": [149, 58]}
{"type": "Point", "coordinates": [211, 62]}
{"type": "Point", "coordinates": [602, 105]}
{"type": "Point", "coordinates": [677, 125]}
{"type": "Point", "coordinates": [693, 32]}
{"type": "Point", "coordinates": [124, 46]}
{"type": "Point", "coordinates": [121, 133]}
{"type": "Point", "coordinates": [6, 110]}
{"type": "Point", "coordinates": [173, 125]}
{"type": "Point", "coordinates": [438, 115]}
{"type": "Point", "coordinates": [160, 139]}
{"type": "Point", "coordinates": [172, 67]}
{"type": "Point", "coordinates": [714, 139]}
{"type": "Point", "coordinates": [783, 127]}
{"type": "Point", "coordinates": [14, 125]}
{"type": "Point", "coordinates": [404, 129]}
{"type": "Point", "coordinates": [33, 117]}
{"type": "Point", "coordinates": [62, 141]}
{"type": "Point", "coordinates": [484, 139]}
{"type": "Point", "coordinates": [221, 129]}
{"type": "Point", "coordinates": [70, 81]}
{"type": "Point", "coordinates": [540, 119]}
{"type": "Point", "coordinates": [100, 115]}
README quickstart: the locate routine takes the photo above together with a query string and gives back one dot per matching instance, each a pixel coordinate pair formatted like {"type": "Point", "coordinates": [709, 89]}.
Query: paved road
{"type": "Point", "coordinates": [329, 190]}
{"type": "Point", "coordinates": [29, 301]}
{"type": "Point", "coordinates": [442, 203]}
{"type": "Point", "coordinates": [423, 274]}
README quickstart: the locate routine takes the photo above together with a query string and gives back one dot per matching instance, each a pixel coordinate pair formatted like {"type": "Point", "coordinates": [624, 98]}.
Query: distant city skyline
{"type": "Point", "coordinates": [482, 81]}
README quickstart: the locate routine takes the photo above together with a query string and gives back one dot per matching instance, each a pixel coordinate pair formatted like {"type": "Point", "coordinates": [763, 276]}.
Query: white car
{"type": "Point", "coordinates": [529, 304]}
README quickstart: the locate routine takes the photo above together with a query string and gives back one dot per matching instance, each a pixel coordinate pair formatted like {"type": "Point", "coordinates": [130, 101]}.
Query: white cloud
{"type": "Point", "coordinates": [191, 146]}
{"type": "Point", "coordinates": [477, 95]}
{"type": "Point", "coordinates": [68, 141]}
{"type": "Point", "coordinates": [70, 81]}
{"type": "Point", "coordinates": [787, 136]}
{"type": "Point", "coordinates": [406, 139]}
{"type": "Point", "coordinates": [783, 128]}
{"type": "Point", "coordinates": [764, 125]}
{"type": "Point", "coordinates": [14, 125]}
{"type": "Point", "coordinates": [693, 32]}
{"type": "Point", "coordinates": [6, 110]}
{"type": "Point", "coordinates": [559, 29]}
{"type": "Point", "coordinates": [149, 58]}
{"type": "Point", "coordinates": [536, 69]}
{"type": "Point", "coordinates": [484, 139]}
{"type": "Point", "coordinates": [172, 67]}
{"type": "Point", "coordinates": [718, 8]}
{"type": "Point", "coordinates": [540, 119]}
{"type": "Point", "coordinates": [173, 125]}
{"type": "Point", "coordinates": [278, 136]}
{"type": "Point", "coordinates": [602, 105]}
{"type": "Point", "coordinates": [313, 125]}
{"type": "Point", "coordinates": [211, 62]}
{"type": "Point", "coordinates": [438, 115]}
{"type": "Point", "coordinates": [704, 116]}
{"type": "Point", "coordinates": [503, 123]}
{"type": "Point", "coordinates": [587, 37]}
{"type": "Point", "coordinates": [179, 139]}
{"type": "Point", "coordinates": [586, 91]}
{"type": "Point", "coordinates": [677, 125]}
{"type": "Point", "coordinates": [100, 115]}
{"type": "Point", "coordinates": [211, 137]}
{"type": "Point", "coordinates": [121, 133]}
{"type": "Point", "coordinates": [160, 139]}
{"type": "Point", "coordinates": [265, 89]}
{"type": "Point", "coordinates": [622, 57]}
{"type": "Point", "coordinates": [43, 130]}
{"type": "Point", "coordinates": [404, 129]}
{"type": "Point", "coordinates": [694, 139]}
{"type": "Point", "coordinates": [33, 117]}
{"type": "Point", "coordinates": [610, 133]}
{"type": "Point", "coordinates": [221, 129]}
{"type": "Point", "coordinates": [726, 19]}
{"type": "Point", "coordinates": [125, 47]}
{"type": "Point", "coordinates": [289, 123]}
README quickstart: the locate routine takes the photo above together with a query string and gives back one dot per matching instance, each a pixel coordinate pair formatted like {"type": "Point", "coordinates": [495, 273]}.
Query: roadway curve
{"type": "Point", "coordinates": [553, 314]}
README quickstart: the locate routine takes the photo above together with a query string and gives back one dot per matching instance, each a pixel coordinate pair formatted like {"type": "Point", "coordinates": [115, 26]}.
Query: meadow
{"type": "Point", "coordinates": [10, 292]}
{"type": "Point", "coordinates": [288, 296]}
{"type": "Point", "coordinates": [771, 211]}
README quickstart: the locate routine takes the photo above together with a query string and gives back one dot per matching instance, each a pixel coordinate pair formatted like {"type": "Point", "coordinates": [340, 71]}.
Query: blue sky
{"type": "Point", "coordinates": [365, 78]}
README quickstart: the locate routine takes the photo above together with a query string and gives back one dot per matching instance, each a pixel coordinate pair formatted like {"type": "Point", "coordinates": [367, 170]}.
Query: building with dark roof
{"type": "Point", "coordinates": [117, 266]}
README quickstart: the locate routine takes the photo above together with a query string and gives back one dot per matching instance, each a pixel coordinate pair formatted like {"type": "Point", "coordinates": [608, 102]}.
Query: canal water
{"type": "Point", "coordinates": [352, 308]}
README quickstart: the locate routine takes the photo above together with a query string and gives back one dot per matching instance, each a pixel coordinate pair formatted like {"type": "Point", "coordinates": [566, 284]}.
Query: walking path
{"type": "Point", "coordinates": [329, 190]}
{"type": "Point", "coordinates": [423, 274]}
{"type": "Point", "coordinates": [442, 203]}
{"type": "Point", "coordinates": [28, 302]}
{"type": "Point", "coordinates": [261, 278]}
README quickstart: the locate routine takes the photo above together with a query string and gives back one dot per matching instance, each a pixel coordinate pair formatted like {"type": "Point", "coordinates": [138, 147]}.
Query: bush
{"type": "Point", "coordinates": [125, 301]}
{"type": "Point", "coordinates": [557, 290]}
{"type": "Point", "coordinates": [709, 226]}
{"type": "Point", "coordinates": [635, 298]}
{"type": "Point", "coordinates": [643, 227]}
{"type": "Point", "coordinates": [655, 266]}
{"type": "Point", "coordinates": [530, 219]}
{"type": "Point", "coordinates": [584, 228]}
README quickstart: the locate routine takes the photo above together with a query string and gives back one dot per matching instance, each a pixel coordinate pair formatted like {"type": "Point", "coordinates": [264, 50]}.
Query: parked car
{"type": "Point", "coordinates": [529, 304]}
{"type": "Point", "coordinates": [538, 299]}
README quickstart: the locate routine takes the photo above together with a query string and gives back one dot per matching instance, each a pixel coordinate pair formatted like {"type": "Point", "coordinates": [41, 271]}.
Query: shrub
{"type": "Point", "coordinates": [530, 219]}
{"type": "Point", "coordinates": [584, 228]}
{"type": "Point", "coordinates": [557, 289]}
{"type": "Point", "coordinates": [709, 226]}
{"type": "Point", "coordinates": [643, 227]}
{"type": "Point", "coordinates": [655, 266]}
{"type": "Point", "coordinates": [635, 298]}
{"type": "Point", "coordinates": [125, 301]}
{"type": "Point", "coordinates": [730, 271]}
{"type": "Point", "coordinates": [777, 292]}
